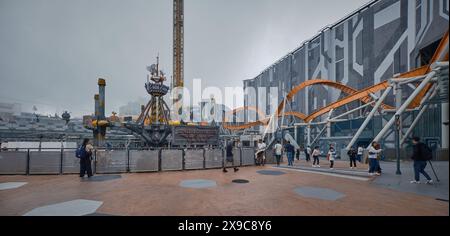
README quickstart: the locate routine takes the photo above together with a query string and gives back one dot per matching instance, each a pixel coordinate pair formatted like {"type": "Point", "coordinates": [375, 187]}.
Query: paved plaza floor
{"type": "Point", "coordinates": [255, 191]}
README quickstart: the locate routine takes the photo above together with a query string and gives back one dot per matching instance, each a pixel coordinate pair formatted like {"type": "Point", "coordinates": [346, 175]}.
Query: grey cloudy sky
{"type": "Point", "coordinates": [53, 51]}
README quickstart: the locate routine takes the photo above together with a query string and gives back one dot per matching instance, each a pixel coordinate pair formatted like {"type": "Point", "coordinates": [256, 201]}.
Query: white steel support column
{"type": "Point", "coordinates": [328, 125]}
{"type": "Point", "coordinates": [405, 105]}
{"type": "Point", "coordinates": [424, 108]}
{"type": "Point", "coordinates": [329, 130]}
{"type": "Point", "coordinates": [308, 133]}
{"type": "Point", "coordinates": [369, 117]}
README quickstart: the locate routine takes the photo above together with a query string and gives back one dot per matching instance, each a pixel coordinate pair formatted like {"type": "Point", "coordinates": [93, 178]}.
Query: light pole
{"type": "Point", "coordinates": [397, 143]}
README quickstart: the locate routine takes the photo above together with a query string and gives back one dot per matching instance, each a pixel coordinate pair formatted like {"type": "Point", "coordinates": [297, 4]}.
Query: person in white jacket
{"type": "Point", "coordinates": [316, 153]}
{"type": "Point", "coordinates": [373, 161]}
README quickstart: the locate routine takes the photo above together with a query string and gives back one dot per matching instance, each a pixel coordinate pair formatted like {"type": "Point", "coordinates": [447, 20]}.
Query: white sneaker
{"type": "Point", "coordinates": [430, 182]}
{"type": "Point", "coordinates": [331, 168]}
{"type": "Point", "coordinates": [318, 166]}
{"type": "Point", "coordinates": [370, 174]}
{"type": "Point", "coordinates": [415, 182]}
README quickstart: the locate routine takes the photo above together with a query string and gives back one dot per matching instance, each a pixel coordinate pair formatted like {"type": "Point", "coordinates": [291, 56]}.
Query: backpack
{"type": "Point", "coordinates": [81, 152]}
{"type": "Point", "coordinates": [427, 154]}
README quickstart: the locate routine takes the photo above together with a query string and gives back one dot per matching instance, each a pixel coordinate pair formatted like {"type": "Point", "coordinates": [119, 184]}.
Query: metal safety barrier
{"type": "Point", "coordinates": [109, 161]}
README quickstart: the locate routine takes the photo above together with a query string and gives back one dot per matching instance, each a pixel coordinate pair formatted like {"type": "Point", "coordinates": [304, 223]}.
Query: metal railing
{"type": "Point", "coordinates": [54, 161]}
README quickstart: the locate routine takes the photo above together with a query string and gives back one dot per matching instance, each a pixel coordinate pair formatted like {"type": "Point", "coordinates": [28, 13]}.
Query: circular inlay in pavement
{"type": "Point", "coordinates": [11, 185]}
{"type": "Point", "coordinates": [319, 193]}
{"type": "Point", "coordinates": [240, 181]}
{"type": "Point", "coordinates": [270, 172]}
{"type": "Point", "coordinates": [79, 207]}
{"type": "Point", "coordinates": [198, 183]}
{"type": "Point", "coordinates": [102, 178]}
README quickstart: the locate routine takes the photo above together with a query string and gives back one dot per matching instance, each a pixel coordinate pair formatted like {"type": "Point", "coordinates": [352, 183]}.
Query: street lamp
{"type": "Point", "coordinates": [397, 143]}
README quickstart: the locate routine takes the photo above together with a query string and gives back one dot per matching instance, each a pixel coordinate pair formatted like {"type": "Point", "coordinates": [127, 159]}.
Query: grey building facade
{"type": "Point", "coordinates": [371, 45]}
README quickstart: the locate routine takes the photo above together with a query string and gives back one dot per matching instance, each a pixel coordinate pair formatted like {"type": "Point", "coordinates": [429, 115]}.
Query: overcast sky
{"type": "Point", "coordinates": [53, 51]}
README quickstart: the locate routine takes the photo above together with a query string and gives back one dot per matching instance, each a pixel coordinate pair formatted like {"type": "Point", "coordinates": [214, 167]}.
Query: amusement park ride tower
{"type": "Point", "coordinates": [178, 54]}
{"type": "Point", "coordinates": [154, 125]}
{"type": "Point", "coordinates": [156, 112]}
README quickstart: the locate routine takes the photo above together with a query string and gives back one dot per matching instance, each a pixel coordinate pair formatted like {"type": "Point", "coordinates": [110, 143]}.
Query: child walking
{"type": "Point", "coordinates": [331, 157]}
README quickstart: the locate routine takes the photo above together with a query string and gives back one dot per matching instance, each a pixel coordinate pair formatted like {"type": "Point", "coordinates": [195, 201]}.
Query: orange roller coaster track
{"type": "Point", "coordinates": [363, 96]}
{"type": "Point", "coordinates": [441, 54]}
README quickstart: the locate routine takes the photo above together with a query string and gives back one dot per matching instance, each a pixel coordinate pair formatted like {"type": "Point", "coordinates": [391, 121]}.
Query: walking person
{"type": "Point", "coordinates": [352, 153]}
{"type": "Point", "coordinates": [290, 151]}
{"type": "Point", "coordinates": [229, 159]}
{"type": "Point", "coordinates": [331, 156]}
{"type": "Point", "coordinates": [260, 157]}
{"type": "Point", "coordinates": [373, 161]}
{"type": "Point", "coordinates": [278, 152]}
{"type": "Point", "coordinates": [308, 153]}
{"type": "Point", "coordinates": [297, 154]}
{"type": "Point", "coordinates": [84, 153]}
{"type": "Point", "coordinates": [421, 154]}
{"type": "Point", "coordinates": [316, 154]}
{"type": "Point", "coordinates": [360, 154]}
{"type": "Point", "coordinates": [379, 158]}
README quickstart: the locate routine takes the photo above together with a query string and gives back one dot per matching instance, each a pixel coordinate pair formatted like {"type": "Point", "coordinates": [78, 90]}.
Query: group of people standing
{"type": "Point", "coordinates": [288, 148]}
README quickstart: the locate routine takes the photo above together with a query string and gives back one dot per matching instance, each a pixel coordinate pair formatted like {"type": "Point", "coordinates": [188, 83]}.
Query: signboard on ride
{"type": "Point", "coordinates": [195, 135]}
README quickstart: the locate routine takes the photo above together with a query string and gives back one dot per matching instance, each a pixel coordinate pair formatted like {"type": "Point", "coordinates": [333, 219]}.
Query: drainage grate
{"type": "Point", "coordinates": [240, 181]}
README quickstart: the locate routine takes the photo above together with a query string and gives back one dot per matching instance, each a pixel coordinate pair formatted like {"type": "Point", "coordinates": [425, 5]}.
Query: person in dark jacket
{"type": "Point", "coordinates": [297, 154]}
{"type": "Point", "coordinates": [352, 153]}
{"type": "Point", "coordinates": [290, 151]}
{"type": "Point", "coordinates": [420, 161]}
{"type": "Point", "coordinates": [229, 158]}
{"type": "Point", "coordinates": [86, 158]}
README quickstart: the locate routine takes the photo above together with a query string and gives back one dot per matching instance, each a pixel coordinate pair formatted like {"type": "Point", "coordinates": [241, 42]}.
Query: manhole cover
{"type": "Point", "coordinates": [270, 172]}
{"type": "Point", "coordinates": [240, 181]}
{"type": "Point", "coordinates": [198, 183]}
{"type": "Point", "coordinates": [101, 178]}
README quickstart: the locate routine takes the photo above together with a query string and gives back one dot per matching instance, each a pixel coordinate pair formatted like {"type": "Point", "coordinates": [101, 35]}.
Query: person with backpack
{"type": "Point", "coordinates": [84, 153]}
{"type": "Point", "coordinates": [229, 159]}
{"type": "Point", "coordinates": [421, 154]}
{"type": "Point", "coordinates": [352, 153]}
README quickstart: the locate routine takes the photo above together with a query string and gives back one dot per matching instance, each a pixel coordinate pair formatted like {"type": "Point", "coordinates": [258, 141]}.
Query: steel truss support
{"type": "Point", "coordinates": [405, 105]}
{"type": "Point", "coordinates": [424, 108]}
{"type": "Point", "coordinates": [369, 117]}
